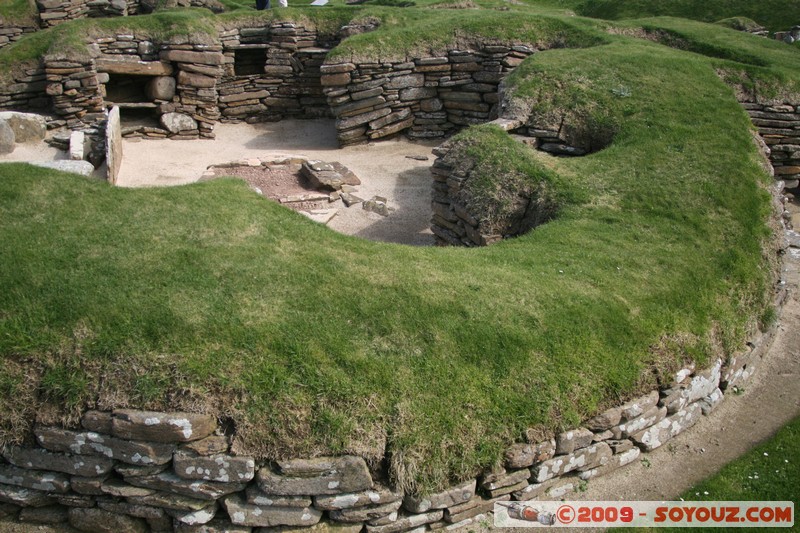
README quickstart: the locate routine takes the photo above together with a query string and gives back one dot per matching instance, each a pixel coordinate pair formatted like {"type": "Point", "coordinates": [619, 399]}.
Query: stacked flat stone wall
{"type": "Point", "coordinates": [25, 91]}
{"type": "Point", "coordinates": [139, 471]}
{"type": "Point", "coordinates": [425, 97]}
{"type": "Point", "coordinates": [75, 91]}
{"type": "Point", "coordinates": [288, 84]}
{"type": "Point", "coordinates": [779, 127]}
{"type": "Point", "coordinates": [11, 32]}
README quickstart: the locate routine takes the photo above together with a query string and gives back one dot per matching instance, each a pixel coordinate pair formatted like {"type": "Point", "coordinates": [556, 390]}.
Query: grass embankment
{"type": "Point", "coordinates": [18, 11]}
{"type": "Point", "coordinates": [208, 296]}
{"type": "Point", "coordinates": [775, 15]}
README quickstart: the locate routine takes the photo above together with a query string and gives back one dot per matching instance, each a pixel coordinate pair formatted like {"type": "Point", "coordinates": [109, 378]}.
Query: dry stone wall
{"type": "Point", "coordinates": [779, 127]}
{"type": "Point", "coordinates": [131, 470]}
{"type": "Point", "coordinates": [11, 32]}
{"type": "Point", "coordinates": [425, 97]}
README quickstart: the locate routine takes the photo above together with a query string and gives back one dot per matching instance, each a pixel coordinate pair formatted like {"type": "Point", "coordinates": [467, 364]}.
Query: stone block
{"type": "Point", "coordinates": [441, 500]}
{"type": "Point", "coordinates": [653, 437]}
{"type": "Point", "coordinates": [50, 514]}
{"type": "Point", "coordinates": [91, 443]}
{"type": "Point", "coordinates": [246, 514]}
{"type": "Point", "coordinates": [169, 482]}
{"type": "Point", "coordinates": [377, 495]}
{"type": "Point", "coordinates": [616, 461]}
{"type": "Point", "coordinates": [320, 476]}
{"type": "Point", "coordinates": [710, 402]}
{"type": "Point", "coordinates": [195, 518]}
{"type": "Point", "coordinates": [165, 500]}
{"type": "Point", "coordinates": [34, 479]}
{"type": "Point", "coordinates": [201, 58]}
{"type": "Point", "coordinates": [704, 383]}
{"type": "Point", "coordinates": [218, 525]}
{"type": "Point", "coordinates": [652, 416]}
{"type": "Point", "coordinates": [160, 88]}
{"type": "Point", "coordinates": [192, 79]}
{"type": "Point", "coordinates": [161, 427]}
{"type": "Point", "coordinates": [257, 497]}
{"type": "Point", "coordinates": [68, 464]}
{"type": "Point", "coordinates": [569, 441]}
{"type": "Point", "coordinates": [405, 523]}
{"type": "Point", "coordinates": [98, 421]}
{"type": "Point", "coordinates": [638, 406]}
{"type": "Point", "coordinates": [224, 468]}
{"type": "Point", "coordinates": [506, 479]}
{"type": "Point", "coordinates": [100, 521]}
{"type": "Point", "coordinates": [406, 81]}
{"type": "Point", "coordinates": [365, 513]}
{"type": "Point", "coordinates": [146, 68]}
{"type": "Point", "coordinates": [23, 497]}
{"type": "Point", "coordinates": [212, 445]}
{"type": "Point", "coordinates": [583, 459]}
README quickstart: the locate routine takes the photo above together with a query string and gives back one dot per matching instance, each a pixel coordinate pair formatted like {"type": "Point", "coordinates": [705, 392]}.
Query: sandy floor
{"type": "Point", "coordinates": [383, 168]}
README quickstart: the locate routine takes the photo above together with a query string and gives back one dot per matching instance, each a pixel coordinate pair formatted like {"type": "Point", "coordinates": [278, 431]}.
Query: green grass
{"type": "Point", "coordinates": [207, 296]}
{"type": "Point", "coordinates": [18, 11]}
{"type": "Point", "coordinates": [775, 15]}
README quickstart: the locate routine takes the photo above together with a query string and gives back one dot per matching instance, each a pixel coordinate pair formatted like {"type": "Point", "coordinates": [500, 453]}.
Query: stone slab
{"type": "Point", "coordinates": [161, 427]}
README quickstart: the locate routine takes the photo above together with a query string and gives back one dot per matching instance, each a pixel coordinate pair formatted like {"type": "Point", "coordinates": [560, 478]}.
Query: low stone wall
{"type": "Point", "coordinates": [26, 91]}
{"type": "Point", "coordinates": [134, 470]}
{"type": "Point", "coordinates": [426, 97]}
{"type": "Point", "coordinates": [11, 32]}
{"type": "Point", "coordinates": [779, 127]}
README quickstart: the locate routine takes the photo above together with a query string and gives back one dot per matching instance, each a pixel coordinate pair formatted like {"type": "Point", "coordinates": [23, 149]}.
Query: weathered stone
{"type": "Point", "coordinates": [337, 68]}
{"type": "Point", "coordinates": [256, 497]}
{"type": "Point", "coordinates": [406, 82]}
{"type": "Point", "coordinates": [320, 476]}
{"type": "Point", "coordinates": [23, 497]}
{"type": "Point", "coordinates": [583, 459]}
{"type": "Point", "coordinates": [33, 479]}
{"type": "Point", "coordinates": [89, 486]}
{"type": "Point", "coordinates": [177, 123]}
{"type": "Point", "coordinates": [245, 514]}
{"type": "Point", "coordinates": [334, 80]}
{"type": "Point", "coordinates": [472, 508]}
{"type": "Point", "coordinates": [138, 511]}
{"type": "Point", "coordinates": [90, 443]}
{"type": "Point", "coordinates": [605, 420]}
{"type": "Point", "coordinates": [653, 437]}
{"type": "Point", "coordinates": [561, 149]}
{"type": "Point", "coordinates": [638, 406]}
{"type": "Point", "coordinates": [100, 521]}
{"type": "Point", "coordinates": [500, 491]}
{"type": "Point", "coordinates": [377, 495]}
{"type": "Point", "coordinates": [404, 523]}
{"type": "Point", "coordinates": [148, 68]}
{"type": "Point", "coordinates": [126, 470]}
{"type": "Point", "coordinates": [77, 146]}
{"type": "Point", "coordinates": [215, 526]}
{"type": "Point", "coordinates": [193, 79]}
{"type": "Point", "coordinates": [350, 199]}
{"type": "Point", "coordinates": [84, 168]}
{"type": "Point", "coordinates": [365, 513]}
{"type": "Point", "coordinates": [351, 122]}
{"type": "Point", "coordinates": [505, 480]}
{"type": "Point", "coordinates": [391, 129]}
{"type": "Point", "coordinates": [68, 464]}
{"type": "Point", "coordinates": [160, 88]}
{"type": "Point", "coordinates": [75, 500]}
{"type": "Point", "coordinates": [120, 489]}
{"type": "Point", "coordinates": [50, 514]}
{"type": "Point", "coordinates": [650, 417]}
{"type": "Point", "coordinates": [440, 500]}
{"type": "Point", "coordinates": [185, 56]}
{"type": "Point", "coordinates": [27, 127]}
{"type": "Point", "coordinates": [161, 427]}
{"type": "Point", "coordinates": [325, 526]}
{"type": "Point", "coordinates": [113, 163]}
{"type": "Point", "coordinates": [524, 455]}
{"type": "Point", "coordinates": [212, 445]}
{"type": "Point", "coordinates": [166, 500]}
{"type": "Point", "coordinates": [569, 441]}
{"type": "Point", "coordinates": [224, 468]}
{"type": "Point", "coordinates": [704, 383]}
{"type": "Point", "coordinates": [169, 482]}
{"type": "Point", "coordinates": [195, 518]}
{"type": "Point", "coordinates": [619, 446]}
{"type": "Point", "coordinates": [710, 402]}
{"type": "Point", "coordinates": [615, 462]}
{"type": "Point", "coordinates": [418, 93]}
{"type": "Point", "coordinates": [7, 138]}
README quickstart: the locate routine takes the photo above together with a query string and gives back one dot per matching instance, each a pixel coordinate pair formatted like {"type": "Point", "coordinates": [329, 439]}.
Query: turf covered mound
{"type": "Point", "coordinates": [206, 297]}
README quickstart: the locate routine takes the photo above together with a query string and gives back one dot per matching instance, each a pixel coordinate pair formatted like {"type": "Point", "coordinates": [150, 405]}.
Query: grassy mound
{"type": "Point", "coordinates": [209, 297]}
{"type": "Point", "coordinates": [775, 15]}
